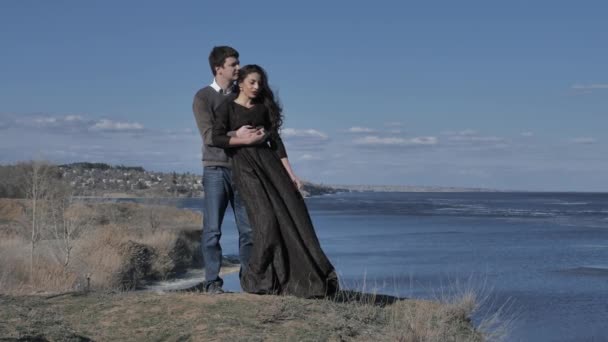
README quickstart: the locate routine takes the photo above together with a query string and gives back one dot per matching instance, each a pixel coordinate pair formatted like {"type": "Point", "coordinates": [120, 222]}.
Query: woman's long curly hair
{"type": "Point", "coordinates": [265, 95]}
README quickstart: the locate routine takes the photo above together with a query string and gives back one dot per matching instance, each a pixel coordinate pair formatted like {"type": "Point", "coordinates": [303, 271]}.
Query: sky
{"type": "Point", "coordinates": [509, 95]}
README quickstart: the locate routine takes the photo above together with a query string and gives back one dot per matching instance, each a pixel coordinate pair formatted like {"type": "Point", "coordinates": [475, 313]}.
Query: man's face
{"type": "Point", "coordinates": [229, 71]}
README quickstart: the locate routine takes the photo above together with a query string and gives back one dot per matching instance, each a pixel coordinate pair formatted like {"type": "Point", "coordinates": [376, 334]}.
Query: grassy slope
{"type": "Point", "coordinates": [145, 316]}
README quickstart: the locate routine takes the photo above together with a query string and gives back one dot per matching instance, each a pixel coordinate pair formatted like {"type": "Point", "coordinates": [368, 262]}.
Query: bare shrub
{"type": "Point", "coordinates": [449, 317]}
{"type": "Point", "coordinates": [98, 256]}
{"type": "Point", "coordinates": [136, 265]}
{"type": "Point", "coordinates": [15, 274]}
{"type": "Point", "coordinates": [103, 255]}
{"type": "Point", "coordinates": [433, 321]}
{"type": "Point", "coordinates": [120, 214]}
{"type": "Point", "coordinates": [155, 217]}
{"type": "Point", "coordinates": [114, 245]}
{"type": "Point", "coordinates": [163, 243]}
{"type": "Point", "coordinates": [13, 222]}
{"type": "Point", "coordinates": [175, 250]}
{"type": "Point", "coordinates": [13, 264]}
{"type": "Point", "coordinates": [10, 210]}
{"type": "Point", "coordinates": [51, 277]}
{"type": "Point", "coordinates": [182, 217]}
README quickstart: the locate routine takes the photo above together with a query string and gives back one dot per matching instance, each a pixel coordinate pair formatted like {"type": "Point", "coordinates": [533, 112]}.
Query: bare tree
{"type": "Point", "coordinates": [154, 217]}
{"type": "Point", "coordinates": [37, 187]}
{"type": "Point", "coordinates": [69, 219]}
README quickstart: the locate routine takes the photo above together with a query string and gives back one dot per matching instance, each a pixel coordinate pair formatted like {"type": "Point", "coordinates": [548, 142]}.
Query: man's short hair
{"type": "Point", "coordinates": [218, 56]}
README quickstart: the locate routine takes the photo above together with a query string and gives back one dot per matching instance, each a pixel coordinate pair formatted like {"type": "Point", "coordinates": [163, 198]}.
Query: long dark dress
{"type": "Point", "coordinates": [286, 256]}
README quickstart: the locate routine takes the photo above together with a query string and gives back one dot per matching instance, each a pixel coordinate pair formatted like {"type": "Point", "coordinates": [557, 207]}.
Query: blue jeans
{"type": "Point", "coordinates": [219, 191]}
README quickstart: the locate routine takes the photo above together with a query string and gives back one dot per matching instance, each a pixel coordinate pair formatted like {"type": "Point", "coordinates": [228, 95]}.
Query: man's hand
{"type": "Point", "coordinates": [252, 134]}
{"type": "Point", "coordinates": [245, 131]}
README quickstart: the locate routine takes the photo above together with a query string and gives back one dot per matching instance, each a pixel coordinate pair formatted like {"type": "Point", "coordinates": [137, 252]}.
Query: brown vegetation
{"type": "Point", "coordinates": [101, 245]}
{"type": "Point", "coordinates": [145, 316]}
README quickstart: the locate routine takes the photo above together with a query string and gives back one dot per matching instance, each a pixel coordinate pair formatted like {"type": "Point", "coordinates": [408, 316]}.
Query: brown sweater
{"type": "Point", "coordinates": [206, 101]}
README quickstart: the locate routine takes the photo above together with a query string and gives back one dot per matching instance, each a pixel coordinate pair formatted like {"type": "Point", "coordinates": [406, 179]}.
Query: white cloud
{"type": "Point", "coordinates": [310, 140]}
{"type": "Point", "coordinates": [471, 136]}
{"type": "Point", "coordinates": [49, 123]}
{"type": "Point", "coordinates": [357, 129]}
{"type": "Point", "coordinates": [309, 157]}
{"type": "Point", "coordinates": [594, 86]}
{"type": "Point", "coordinates": [303, 133]}
{"type": "Point", "coordinates": [527, 134]}
{"type": "Point", "coordinates": [474, 139]}
{"type": "Point", "coordinates": [45, 120]}
{"type": "Point", "coordinates": [109, 125]}
{"type": "Point", "coordinates": [583, 140]}
{"type": "Point", "coordinates": [424, 140]}
{"type": "Point", "coordinates": [73, 118]}
{"type": "Point", "coordinates": [66, 123]}
{"type": "Point", "coordinates": [372, 140]}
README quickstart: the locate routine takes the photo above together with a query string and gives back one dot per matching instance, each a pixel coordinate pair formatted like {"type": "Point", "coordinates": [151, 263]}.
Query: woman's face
{"type": "Point", "coordinates": [251, 85]}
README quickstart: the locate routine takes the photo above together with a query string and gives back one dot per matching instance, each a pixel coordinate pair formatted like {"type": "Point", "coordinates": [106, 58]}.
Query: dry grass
{"type": "Point", "coordinates": [432, 321]}
{"type": "Point", "coordinates": [10, 209]}
{"type": "Point", "coordinates": [138, 316]}
{"type": "Point", "coordinates": [448, 317]}
{"type": "Point", "coordinates": [11, 218]}
{"type": "Point", "coordinates": [103, 248]}
{"type": "Point", "coordinates": [462, 299]}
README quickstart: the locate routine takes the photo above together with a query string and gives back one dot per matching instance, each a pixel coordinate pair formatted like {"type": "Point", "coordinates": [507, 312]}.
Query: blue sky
{"type": "Point", "coordinates": [509, 95]}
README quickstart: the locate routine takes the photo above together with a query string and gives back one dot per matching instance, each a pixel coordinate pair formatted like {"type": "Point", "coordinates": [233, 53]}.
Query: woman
{"type": "Point", "coordinates": [286, 257]}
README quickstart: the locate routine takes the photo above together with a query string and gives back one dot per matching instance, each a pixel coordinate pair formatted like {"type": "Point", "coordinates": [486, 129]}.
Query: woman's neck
{"type": "Point", "coordinates": [243, 100]}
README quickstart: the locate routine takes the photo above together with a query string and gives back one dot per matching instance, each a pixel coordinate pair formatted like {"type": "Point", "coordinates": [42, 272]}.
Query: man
{"type": "Point", "coordinates": [217, 180]}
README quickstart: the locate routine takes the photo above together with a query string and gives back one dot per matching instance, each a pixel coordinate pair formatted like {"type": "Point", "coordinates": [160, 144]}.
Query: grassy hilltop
{"type": "Point", "coordinates": [145, 316]}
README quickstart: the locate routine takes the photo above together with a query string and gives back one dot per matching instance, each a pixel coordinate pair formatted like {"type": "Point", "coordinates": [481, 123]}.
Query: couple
{"type": "Point", "coordinates": [245, 164]}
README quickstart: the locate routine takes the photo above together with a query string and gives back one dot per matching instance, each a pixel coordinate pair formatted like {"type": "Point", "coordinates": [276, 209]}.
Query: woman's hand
{"type": "Point", "coordinates": [297, 182]}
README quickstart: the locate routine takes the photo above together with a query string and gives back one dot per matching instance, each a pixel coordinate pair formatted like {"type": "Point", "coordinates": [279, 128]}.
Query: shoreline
{"type": "Point", "coordinates": [132, 196]}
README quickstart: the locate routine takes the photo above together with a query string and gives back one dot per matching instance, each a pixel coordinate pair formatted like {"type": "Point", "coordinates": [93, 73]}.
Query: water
{"type": "Point", "coordinates": [545, 254]}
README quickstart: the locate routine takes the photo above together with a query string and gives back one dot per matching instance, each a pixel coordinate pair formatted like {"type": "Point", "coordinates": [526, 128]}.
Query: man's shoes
{"type": "Point", "coordinates": [214, 288]}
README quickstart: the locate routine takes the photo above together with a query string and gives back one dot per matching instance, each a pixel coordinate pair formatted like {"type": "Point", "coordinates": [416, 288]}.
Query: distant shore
{"type": "Point", "coordinates": [315, 190]}
{"type": "Point", "coordinates": [408, 188]}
